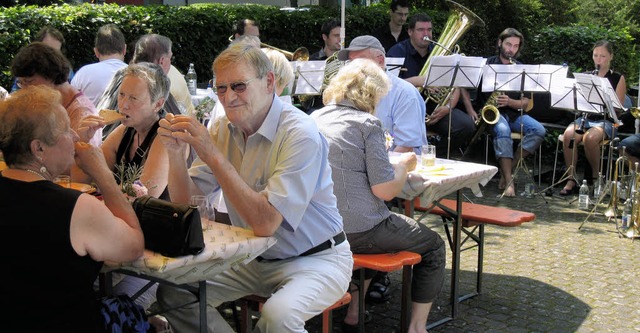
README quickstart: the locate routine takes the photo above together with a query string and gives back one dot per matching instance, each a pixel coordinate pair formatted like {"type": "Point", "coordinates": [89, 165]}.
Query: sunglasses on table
{"type": "Point", "coordinates": [237, 87]}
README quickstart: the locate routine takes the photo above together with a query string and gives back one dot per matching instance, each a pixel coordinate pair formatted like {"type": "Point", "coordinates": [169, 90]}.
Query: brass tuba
{"type": "Point", "coordinates": [459, 21]}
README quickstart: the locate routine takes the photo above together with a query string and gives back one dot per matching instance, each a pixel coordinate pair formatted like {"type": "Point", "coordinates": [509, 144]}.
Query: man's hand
{"type": "Point", "coordinates": [438, 113]}
{"type": "Point", "coordinates": [176, 130]}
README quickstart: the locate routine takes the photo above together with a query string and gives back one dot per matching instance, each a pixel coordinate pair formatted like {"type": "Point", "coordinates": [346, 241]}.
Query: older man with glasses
{"type": "Point", "coordinates": [271, 162]}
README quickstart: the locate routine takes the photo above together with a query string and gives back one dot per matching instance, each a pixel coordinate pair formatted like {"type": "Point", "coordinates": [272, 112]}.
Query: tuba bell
{"type": "Point", "coordinates": [459, 21]}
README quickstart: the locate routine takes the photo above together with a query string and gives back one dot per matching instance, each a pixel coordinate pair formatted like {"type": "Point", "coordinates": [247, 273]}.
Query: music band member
{"type": "Point", "coordinates": [331, 37]}
{"type": "Point", "coordinates": [394, 31]}
{"type": "Point", "coordinates": [595, 128]}
{"type": "Point", "coordinates": [510, 43]}
{"type": "Point", "coordinates": [416, 50]}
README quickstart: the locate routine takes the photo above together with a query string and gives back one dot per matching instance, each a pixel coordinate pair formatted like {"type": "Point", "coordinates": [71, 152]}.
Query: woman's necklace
{"type": "Point", "coordinates": [35, 173]}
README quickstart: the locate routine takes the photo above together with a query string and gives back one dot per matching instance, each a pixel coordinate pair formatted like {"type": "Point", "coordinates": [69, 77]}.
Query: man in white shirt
{"type": "Point", "coordinates": [110, 48]}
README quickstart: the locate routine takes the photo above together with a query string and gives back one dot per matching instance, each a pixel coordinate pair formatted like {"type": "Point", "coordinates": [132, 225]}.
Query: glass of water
{"type": "Point", "coordinates": [204, 207]}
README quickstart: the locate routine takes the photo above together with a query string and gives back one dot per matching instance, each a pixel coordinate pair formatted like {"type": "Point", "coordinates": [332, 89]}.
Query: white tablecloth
{"type": "Point", "coordinates": [434, 184]}
{"type": "Point", "coordinates": [225, 247]}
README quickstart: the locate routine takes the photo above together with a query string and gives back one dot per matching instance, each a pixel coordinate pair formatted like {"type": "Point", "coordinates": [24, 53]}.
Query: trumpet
{"type": "Point", "coordinates": [300, 54]}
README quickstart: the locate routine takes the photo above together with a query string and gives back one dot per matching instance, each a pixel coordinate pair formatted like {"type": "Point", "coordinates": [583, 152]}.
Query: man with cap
{"type": "Point", "coordinates": [402, 110]}
{"type": "Point", "coordinates": [402, 113]}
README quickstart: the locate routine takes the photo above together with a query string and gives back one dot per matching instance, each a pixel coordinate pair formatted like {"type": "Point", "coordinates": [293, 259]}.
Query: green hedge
{"type": "Point", "coordinates": [200, 31]}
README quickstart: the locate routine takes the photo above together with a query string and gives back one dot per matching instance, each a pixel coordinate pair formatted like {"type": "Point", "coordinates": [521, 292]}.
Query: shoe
{"type": "Point", "coordinates": [569, 191]}
{"type": "Point", "coordinates": [379, 291]}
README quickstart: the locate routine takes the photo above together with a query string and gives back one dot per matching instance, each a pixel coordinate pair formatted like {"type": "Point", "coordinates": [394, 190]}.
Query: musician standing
{"type": "Point", "coordinates": [595, 128]}
{"type": "Point", "coordinates": [416, 50]}
{"type": "Point", "coordinates": [394, 31]}
{"type": "Point", "coordinates": [510, 43]}
{"type": "Point", "coordinates": [331, 37]}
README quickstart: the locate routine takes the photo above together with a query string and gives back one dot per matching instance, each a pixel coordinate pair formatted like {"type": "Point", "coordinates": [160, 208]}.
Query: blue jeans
{"type": "Point", "coordinates": [503, 144]}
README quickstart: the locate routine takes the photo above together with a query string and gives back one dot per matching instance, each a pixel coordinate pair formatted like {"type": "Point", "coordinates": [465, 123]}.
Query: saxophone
{"type": "Point", "coordinates": [488, 115]}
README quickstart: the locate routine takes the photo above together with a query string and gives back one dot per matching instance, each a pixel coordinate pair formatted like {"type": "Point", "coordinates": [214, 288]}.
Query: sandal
{"type": "Point", "coordinates": [570, 190]}
{"type": "Point", "coordinates": [379, 291]}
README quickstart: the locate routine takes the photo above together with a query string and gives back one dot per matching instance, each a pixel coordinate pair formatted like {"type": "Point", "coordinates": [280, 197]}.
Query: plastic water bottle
{"type": "Point", "coordinates": [627, 212]}
{"type": "Point", "coordinates": [192, 80]}
{"type": "Point", "coordinates": [583, 196]}
{"type": "Point", "coordinates": [597, 189]}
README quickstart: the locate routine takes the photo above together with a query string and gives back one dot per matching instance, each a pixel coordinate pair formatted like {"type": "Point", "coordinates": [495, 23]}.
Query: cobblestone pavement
{"type": "Point", "coordinates": [543, 276]}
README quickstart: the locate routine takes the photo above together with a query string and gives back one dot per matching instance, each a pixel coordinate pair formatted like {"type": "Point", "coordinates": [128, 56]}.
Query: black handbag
{"type": "Point", "coordinates": [169, 228]}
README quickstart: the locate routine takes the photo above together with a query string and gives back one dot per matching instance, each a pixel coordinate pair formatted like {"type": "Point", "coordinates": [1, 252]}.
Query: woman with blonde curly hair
{"type": "Point", "coordinates": [364, 178]}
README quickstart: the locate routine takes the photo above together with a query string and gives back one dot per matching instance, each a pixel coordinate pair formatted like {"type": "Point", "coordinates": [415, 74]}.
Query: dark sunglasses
{"type": "Point", "coordinates": [237, 87]}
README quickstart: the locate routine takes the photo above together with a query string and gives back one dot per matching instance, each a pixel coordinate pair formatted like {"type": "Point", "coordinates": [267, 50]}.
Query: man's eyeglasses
{"type": "Point", "coordinates": [237, 87]}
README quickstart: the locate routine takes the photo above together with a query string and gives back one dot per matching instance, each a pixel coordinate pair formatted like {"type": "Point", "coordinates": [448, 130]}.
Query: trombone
{"type": "Point", "coordinates": [300, 54]}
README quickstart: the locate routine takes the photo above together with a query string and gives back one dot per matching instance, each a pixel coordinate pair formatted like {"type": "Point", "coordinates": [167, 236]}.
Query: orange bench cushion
{"type": "Point", "coordinates": [385, 262]}
{"type": "Point", "coordinates": [473, 214]}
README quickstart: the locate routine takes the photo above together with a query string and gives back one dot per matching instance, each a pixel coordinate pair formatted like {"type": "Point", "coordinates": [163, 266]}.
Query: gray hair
{"type": "Point", "coordinates": [157, 81]}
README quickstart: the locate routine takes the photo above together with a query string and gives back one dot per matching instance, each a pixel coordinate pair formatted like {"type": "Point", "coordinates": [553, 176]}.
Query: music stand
{"type": "Point", "coordinates": [454, 71]}
{"type": "Point", "coordinates": [521, 78]}
{"type": "Point", "coordinates": [600, 93]}
{"type": "Point", "coordinates": [394, 65]}
{"type": "Point", "coordinates": [308, 77]}
{"type": "Point", "coordinates": [569, 96]}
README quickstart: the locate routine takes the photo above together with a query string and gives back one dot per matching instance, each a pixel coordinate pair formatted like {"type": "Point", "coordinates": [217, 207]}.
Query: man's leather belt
{"type": "Point", "coordinates": [337, 239]}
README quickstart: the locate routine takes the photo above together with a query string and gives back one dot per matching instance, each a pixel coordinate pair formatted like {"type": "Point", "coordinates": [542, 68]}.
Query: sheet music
{"type": "Point", "coordinates": [394, 64]}
{"type": "Point", "coordinates": [597, 89]}
{"type": "Point", "coordinates": [530, 78]}
{"type": "Point", "coordinates": [568, 95]}
{"type": "Point", "coordinates": [455, 71]}
{"type": "Point", "coordinates": [308, 77]}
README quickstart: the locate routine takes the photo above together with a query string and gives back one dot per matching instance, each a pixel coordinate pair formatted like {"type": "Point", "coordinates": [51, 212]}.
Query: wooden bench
{"type": "Point", "coordinates": [474, 217]}
{"type": "Point", "coordinates": [387, 262]}
{"type": "Point", "coordinates": [255, 302]}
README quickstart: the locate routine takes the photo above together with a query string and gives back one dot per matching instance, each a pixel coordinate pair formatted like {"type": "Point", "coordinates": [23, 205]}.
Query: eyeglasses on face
{"type": "Point", "coordinates": [237, 87]}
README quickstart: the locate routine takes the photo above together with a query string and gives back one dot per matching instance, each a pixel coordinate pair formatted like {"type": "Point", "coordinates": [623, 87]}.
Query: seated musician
{"type": "Point", "coordinates": [363, 178]}
{"type": "Point", "coordinates": [415, 51]}
{"type": "Point", "coordinates": [510, 105]}
{"type": "Point", "coordinates": [631, 148]}
{"type": "Point", "coordinates": [595, 128]}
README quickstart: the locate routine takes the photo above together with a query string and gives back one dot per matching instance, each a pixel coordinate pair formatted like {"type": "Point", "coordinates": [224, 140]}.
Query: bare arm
{"type": "Point", "coordinates": [388, 190]}
{"type": "Point", "coordinates": [106, 230]}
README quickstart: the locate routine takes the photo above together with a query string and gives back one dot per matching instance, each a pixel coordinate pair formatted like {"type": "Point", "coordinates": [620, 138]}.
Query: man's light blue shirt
{"type": "Point", "coordinates": [286, 159]}
{"type": "Point", "coordinates": [402, 112]}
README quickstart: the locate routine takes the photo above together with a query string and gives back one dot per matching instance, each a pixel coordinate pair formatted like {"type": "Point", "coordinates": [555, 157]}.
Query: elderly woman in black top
{"type": "Point", "coordinates": [364, 178]}
{"type": "Point", "coordinates": [54, 240]}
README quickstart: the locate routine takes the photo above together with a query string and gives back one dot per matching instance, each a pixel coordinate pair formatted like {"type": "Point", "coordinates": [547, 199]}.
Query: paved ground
{"type": "Point", "coordinates": [544, 276]}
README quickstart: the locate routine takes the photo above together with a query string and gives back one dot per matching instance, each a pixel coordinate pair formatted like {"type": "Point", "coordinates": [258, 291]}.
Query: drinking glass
{"type": "Point", "coordinates": [63, 180]}
{"type": "Point", "coordinates": [204, 207]}
{"type": "Point", "coordinates": [428, 155]}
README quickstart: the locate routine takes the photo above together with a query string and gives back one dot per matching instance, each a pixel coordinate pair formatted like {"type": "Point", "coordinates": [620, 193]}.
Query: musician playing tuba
{"type": "Point", "coordinates": [509, 44]}
{"type": "Point", "coordinates": [416, 50]}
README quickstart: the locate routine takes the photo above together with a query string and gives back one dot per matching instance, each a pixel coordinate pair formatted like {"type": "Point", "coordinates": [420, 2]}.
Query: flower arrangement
{"type": "Point", "coordinates": [203, 110]}
{"type": "Point", "coordinates": [129, 179]}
